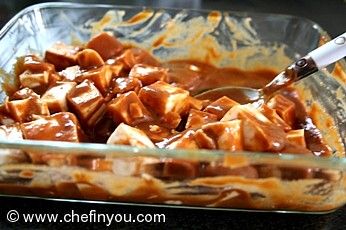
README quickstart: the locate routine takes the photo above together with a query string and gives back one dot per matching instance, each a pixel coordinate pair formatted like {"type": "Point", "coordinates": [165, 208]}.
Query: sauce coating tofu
{"type": "Point", "coordinates": [23, 110]}
{"type": "Point", "coordinates": [129, 109]}
{"type": "Point", "coordinates": [88, 59]}
{"type": "Point", "coordinates": [34, 64]}
{"type": "Point", "coordinates": [127, 135]}
{"type": "Point", "coordinates": [297, 137]}
{"type": "Point", "coordinates": [228, 135]}
{"type": "Point", "coordinates": [62, 55]}
{"type": "Point", "coordinates": [185, 141]}
{"type": "Point", "coordinates": [272, 115]}
{"type": "Point", "coordinates": [101, 77]}
{"type": "Point", "coordinates": [125, 84]}
{"type": "Point", "coordinates": [284, 107]}
{"type": "Point", "coordinates": [220, 106]}
{"type": "Point", "coordinates": [34, 80]}
{"type": "Point", "coordinates": [106, 45]}
{"type": "Point", "coordinates": [162, 97]}
{"type": "Point", "coordinates": [259, 133]}
{"type": "Point", "coordinates": [56, 97]}
{"type": "Point", "coordinates": [71, 73]}
{"type": "Point", "coordinates": [149, 74]}
{"type": "Point", "coordinates": [62, 126]}
{"type": "Point", "coordinates": [87, 102]}
{"type": "Point", "coordinates": [198, 118]}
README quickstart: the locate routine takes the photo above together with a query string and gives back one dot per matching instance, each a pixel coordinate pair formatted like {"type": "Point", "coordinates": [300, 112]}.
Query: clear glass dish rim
{"type": "Point", "coordinates": [102, 149]}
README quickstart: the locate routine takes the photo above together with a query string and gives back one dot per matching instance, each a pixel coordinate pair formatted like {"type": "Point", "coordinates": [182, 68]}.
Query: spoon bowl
{"type": "Point", "coordinates": [317, 59]}
{"type": "Point", "coordinates": [242, 95]}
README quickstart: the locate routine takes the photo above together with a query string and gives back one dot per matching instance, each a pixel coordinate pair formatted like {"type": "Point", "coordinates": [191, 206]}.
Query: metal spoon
{"type": "Point", "coordinates": [317, 59]}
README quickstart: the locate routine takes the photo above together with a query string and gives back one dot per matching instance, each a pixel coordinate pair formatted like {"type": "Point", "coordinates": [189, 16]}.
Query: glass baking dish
{"type": "Point", "coordinates": [246, 180]}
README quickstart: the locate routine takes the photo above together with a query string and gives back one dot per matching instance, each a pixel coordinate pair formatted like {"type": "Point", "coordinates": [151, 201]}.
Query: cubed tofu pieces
{"type": "Point", "coordinates": [23, 94]}
{"type": "Point", "coordinates": [127, 108]}
{"type": "Point", "coordinates": [106, 45]}
{"type": "Point", "coordinates": [101, 77]}
{"type": "Point", "coordinates": [62, 126]}
{"type": "Point", "coordinates": [162, 98]}
{"type": "Point", "coordinates": [56, 97]}
{"type": "Point", "coordinates": [184, 141]}
{"type": "Point", "coordinates": [23, 110]}
{"type": "Point", "coordinates": [127, 135]}
{"type": "Point", "coordinates": [220, 106]}
{"type": "Point", "coordinates": [35, 65]}
{"type": "Point", "coordinates": [228, 135]}
{"type": "Point", "coordinates": [126, 59]}
{"type": "Point", "coordinates": [87, 102]}
{"type": "Point", "coordinates": [204, 141]}
{"type": "Point", "coordinates": [259, 133]}
{"type": "Point", "coordinates": [274, 117]}
{"type": "Point", "coordinates": [198, 118]}
{"type": "Point", "coordinates": [297, 137]}
{"type": "Point", "coordinates": [149, 74]}
{"type": "Point", "coordinates": [71, 73]}
{"type": "Point", "coordinates": [88, 59]}
{"type": "Point", "coordinates": [284, 107]}
{"type": "Point", "coordinates": [62, 55]}
{"type": "Point", "coordinates": [125, 84]}
{"type": "Point", "coordinates": [34, 80]}
{"type": "Point", "coordinates": [170, 120]}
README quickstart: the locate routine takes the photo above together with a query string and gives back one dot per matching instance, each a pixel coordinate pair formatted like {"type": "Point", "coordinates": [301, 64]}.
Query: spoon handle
{"type": "Point", "coordinates": [330, 52]}
{"type": "Point", "coordinates": [324, 55]}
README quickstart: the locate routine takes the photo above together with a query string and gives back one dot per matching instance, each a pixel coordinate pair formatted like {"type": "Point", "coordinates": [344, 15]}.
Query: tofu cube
{"type": "Point", "coordinates": [88, 59]}
{"type": "Point", "coordinates": [34, 80]}
{"type": "Point", "coordinates": [220, 106]}
{"type": "Point", "coordinates": [149, 74]}
{"type": "Point", "coordinates": [284, 107]}
{"type": "Point", "coordinates": [87, 102]}
{"type": "Point", "coordinates": [106, 45]}
{"type": "Point", "coordinates": [56, 97]}
{"type": "Point", "coordinates": [62, 126]}
{"type": "Point", "coordinates": [127, 108]}
{"type": "Point", "coordinates": [228, 135]}
{"type": "Point", "coordinates": [259, 133]}
{"type": "Point", "coordinates": [204, 141]}
{"type": "Point", "coordinates": [24, 110]}
{"type": "Point", "coordinates": [127, 135]}
{"type": "Point", "coordinates": [185, 141]}
{"type": "Point", "coordinates": [71, 73]}
{"type": "Point", "coordinates": [23, 94]}
{"type": "Point", "coordinates": [198, 118]}
{"type": "Point", "coordinates": [34, 64]}
{"type": "Point", "coordinates": [297, 137]}
{"type": "Point", "coordinates": [274, 117]}
{"type": "Point", "coordinates": [162, 98]}
{"type": "Point", "coordinates": [62, 55]}
{"type": "Point", "coordinates": [170, 120]}
{"type": "Point", "coordinates": [126, 59]}
{"type": "Point", "coordinates": [101, 77]}
{"type": "Point", "coordinates": [125, 84]}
